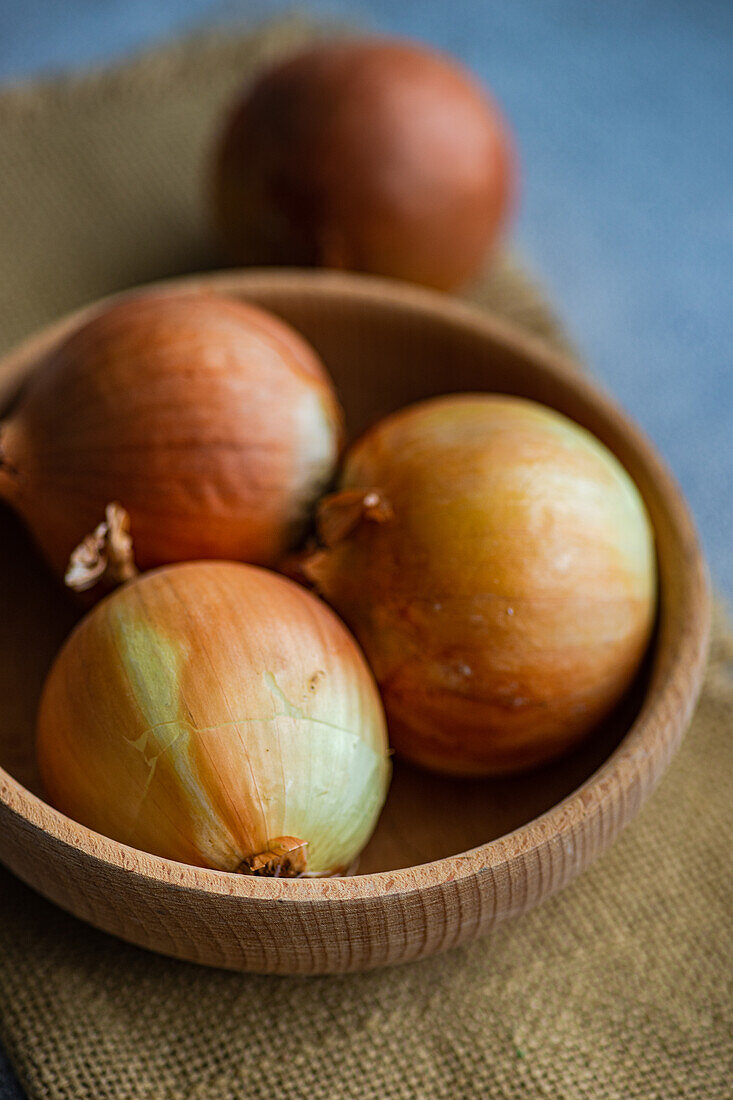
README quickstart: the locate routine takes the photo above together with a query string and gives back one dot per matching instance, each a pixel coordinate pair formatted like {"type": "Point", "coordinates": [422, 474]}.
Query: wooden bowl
{"type": "Point", "coordinates": [450, 859]}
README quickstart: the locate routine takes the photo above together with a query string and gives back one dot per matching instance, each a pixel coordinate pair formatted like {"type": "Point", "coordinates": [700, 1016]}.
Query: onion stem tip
{"type": "Point", "coordinates": [106, 554]}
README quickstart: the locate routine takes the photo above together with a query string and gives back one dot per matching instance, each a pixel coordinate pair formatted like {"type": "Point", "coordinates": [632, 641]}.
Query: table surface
{"type": "Point", "coordinates": [623, 118]}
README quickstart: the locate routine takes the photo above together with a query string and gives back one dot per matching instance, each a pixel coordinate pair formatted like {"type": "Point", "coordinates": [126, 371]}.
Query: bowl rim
{"type": "Point", "coordinates": [676, 693]}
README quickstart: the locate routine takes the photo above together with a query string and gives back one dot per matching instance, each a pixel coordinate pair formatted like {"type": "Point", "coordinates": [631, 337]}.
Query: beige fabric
{"type": "Point", "coordinates": [617, 989]}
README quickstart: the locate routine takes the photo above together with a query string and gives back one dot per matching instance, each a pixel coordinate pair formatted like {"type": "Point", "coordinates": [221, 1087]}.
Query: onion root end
{"type": "Point", "coordinates": [284, 858]}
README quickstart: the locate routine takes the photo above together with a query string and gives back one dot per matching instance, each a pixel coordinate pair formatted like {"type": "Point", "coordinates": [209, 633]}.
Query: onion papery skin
{"type": "Point", "coordinates": [210, 421]}
{"type": "Point", "coordinates": [366, 154]}
{"type": "Point", "coordinates": [507, 604]}
{"type": "Point", "coordinates": [205, 710]}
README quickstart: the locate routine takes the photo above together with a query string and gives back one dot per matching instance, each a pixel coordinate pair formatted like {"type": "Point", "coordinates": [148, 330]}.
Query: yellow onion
{"type": "Point", "coordinates": [217, 714]}
{"type": "Point", "coordinates": [211, 422]}
{"type": "Point", "coordinates": [366, 154]}
{"type": "Point", "coordinates": [497, 565]}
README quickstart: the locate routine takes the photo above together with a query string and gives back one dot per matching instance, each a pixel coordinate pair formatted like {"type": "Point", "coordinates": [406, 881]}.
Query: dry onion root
{"type": "Point", "coordinates": [369, 155]}
{"type": "Point", "coordinates": [211, 422]}
{"type": "Point", "coordinates": [497, 565]}
{"type": "Point", "coordinates": [219, 715]}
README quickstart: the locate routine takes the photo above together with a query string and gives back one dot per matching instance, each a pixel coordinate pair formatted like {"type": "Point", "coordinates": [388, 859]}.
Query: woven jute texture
{"type": "Point", "coordinates": [619, 988]}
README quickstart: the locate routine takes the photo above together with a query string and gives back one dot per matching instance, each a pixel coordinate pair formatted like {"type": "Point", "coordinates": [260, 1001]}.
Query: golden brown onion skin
{"type": "Point", "coordinates": [507, 603]}
{"type": "Point", "coordinates": [369, 155]}
{"type": "Point", "coordinates": [206, 710]}
{"type": "Point", "coordinates": [212, 422]}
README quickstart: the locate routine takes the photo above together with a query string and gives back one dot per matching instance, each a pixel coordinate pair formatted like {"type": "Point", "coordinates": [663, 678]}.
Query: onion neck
{"type": "Point", "coordinates": [104, 556]}
{"type": "Point", "coordinates": [341, 513]}
{"type": "Point", "coordinates": [339, 516]}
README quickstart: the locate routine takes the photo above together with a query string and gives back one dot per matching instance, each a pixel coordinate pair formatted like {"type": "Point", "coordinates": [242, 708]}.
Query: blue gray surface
{"type": "Point", "coordinates": [624, 118]}
{"type": "Point", "coordinates": [9, 1087]}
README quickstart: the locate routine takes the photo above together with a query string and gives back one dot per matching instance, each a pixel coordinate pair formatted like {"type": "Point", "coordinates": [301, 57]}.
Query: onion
{"type": "Point", "coordinates": [217, 714]}
{"type": "Point", "coordinates": [371, 155]}
{"type": "Point", "coordinates": [497, 565]}
{"type": "Point", "coordinates": [210, 421]}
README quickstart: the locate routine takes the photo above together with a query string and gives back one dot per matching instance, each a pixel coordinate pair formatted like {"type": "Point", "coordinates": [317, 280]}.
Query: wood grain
{"type": "Point", "coordinates": [450, 859]}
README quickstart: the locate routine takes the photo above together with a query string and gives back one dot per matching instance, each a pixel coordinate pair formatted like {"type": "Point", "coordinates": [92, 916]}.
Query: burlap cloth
{"type": "Point", "coordinates": [617, 988]}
